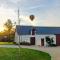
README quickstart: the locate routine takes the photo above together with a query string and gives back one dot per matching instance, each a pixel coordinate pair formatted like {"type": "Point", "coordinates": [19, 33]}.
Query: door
{"type": "Point", "coordinates": [32, 40]}
{"type": "Point", "coordinates": [42, 42]}
{"type": "Point", "coordinates": [58, 40]}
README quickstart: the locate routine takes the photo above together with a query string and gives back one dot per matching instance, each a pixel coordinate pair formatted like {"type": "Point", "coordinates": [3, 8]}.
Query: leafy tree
{"type": "Point", "coordinates": [49, 41]}
{"type": "Point", "coordinates": [8, 26]}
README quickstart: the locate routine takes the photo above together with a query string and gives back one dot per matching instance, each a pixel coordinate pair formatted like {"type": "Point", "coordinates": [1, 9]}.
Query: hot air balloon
{"type": "Point", "coordinates": [32, 17]}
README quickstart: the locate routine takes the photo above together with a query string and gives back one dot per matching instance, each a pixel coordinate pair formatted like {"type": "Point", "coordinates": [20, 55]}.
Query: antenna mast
{"type": "Point", "coordinates": [18, 17]}
{"type": "Point", "coordinates": [19, 35]}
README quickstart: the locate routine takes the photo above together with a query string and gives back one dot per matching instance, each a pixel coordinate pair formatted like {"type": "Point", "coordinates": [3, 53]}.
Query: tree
{"type": "Point", "coordinates": [8, 26]}
{"type": "Point", "coordinates": [49, 41]}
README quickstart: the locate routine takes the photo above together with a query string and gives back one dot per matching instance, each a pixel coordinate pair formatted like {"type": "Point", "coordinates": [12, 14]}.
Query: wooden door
{"type": "Point", "coordinates": [32, 40]}
{"type": "Point", "coordinates": [58, 40]}
{"type": "Point", "coordinates": [42, 42]}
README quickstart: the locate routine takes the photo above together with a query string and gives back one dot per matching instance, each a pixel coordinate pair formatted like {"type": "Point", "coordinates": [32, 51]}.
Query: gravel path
{"type": "Point", "coordinates": [9, 46]}
{"type": "Point", "coordinates": [53, 51]}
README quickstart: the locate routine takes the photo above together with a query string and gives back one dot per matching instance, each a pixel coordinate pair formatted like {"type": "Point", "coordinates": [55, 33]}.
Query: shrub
{"type": "Point", "coordinates": [24, 43]}
{"type": "Point", "coordinates": [50, 41]}
{"type": "Point", "coordinates": [14, 42]}
{"type": "Point", "coordinates": [53, 45]}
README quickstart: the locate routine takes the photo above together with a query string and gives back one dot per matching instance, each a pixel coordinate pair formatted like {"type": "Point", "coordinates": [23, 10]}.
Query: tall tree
{"type": "Point", "coordinates": [8, 26]}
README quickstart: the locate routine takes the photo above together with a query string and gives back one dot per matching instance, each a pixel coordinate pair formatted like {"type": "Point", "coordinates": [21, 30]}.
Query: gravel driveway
{"type": "Point", "coordinates": [9, 46]}
{"type": "Point", "coordinates": [53, 51]}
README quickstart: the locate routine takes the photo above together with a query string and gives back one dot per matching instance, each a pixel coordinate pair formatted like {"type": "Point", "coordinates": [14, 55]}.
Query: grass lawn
{"type": "Point", "coordinates": [25, 54]}
{"type": "Point", "coordinates": [6, 43]}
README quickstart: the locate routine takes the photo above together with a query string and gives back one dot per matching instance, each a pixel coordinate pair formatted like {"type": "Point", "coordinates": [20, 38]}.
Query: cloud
{"type": "Point", "coordinates": [7, 14]}
{"type": "Point", "coordinates": [52, 18]}
{"type": "Point", "coordinates": [20, 3]}
{"type": "Point", "coordinates": [29, 3]}
{"type": "Point", "coordinates": [46, 11]}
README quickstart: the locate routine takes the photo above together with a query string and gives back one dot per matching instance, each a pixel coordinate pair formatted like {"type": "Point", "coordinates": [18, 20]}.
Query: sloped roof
{"type": "Point", "coordinates": [26, 30]}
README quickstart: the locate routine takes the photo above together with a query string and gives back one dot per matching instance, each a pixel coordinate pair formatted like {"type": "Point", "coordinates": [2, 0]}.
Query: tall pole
{"type": "Point", "coordinates": [18, 17]}
{"type": "Point", "coordinates": [19, 35]}
{"type": "Point", "coordinates": [19, 25]}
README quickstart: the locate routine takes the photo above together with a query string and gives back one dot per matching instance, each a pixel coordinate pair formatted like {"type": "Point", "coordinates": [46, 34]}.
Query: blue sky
{"type": "Point", "coordinates": [47, 12]}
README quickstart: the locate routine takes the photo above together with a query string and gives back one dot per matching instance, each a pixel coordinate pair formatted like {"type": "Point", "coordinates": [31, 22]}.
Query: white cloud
{"type": "Point", "coordinates": [52, 18]}
{"type": "Point", "coordinates": [6, 14]}
{"type": "Point", "coordinates": [48, 16]}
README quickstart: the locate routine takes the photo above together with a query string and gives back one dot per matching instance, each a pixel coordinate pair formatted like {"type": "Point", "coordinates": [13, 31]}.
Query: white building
{"type": "Point", "coordinates": [37, 35]}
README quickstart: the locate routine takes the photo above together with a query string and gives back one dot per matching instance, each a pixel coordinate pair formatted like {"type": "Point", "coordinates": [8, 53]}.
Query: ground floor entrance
{"type": "Point", "coordinates": [42, 42]}
{"type": "Point", "coordinates": [32, 40]}
{"type": "Point", "coordinates": [36, 39]}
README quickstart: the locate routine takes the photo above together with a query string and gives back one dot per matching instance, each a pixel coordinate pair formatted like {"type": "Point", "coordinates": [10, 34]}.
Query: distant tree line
{"type": "Point", "coordinates": [9, 33]}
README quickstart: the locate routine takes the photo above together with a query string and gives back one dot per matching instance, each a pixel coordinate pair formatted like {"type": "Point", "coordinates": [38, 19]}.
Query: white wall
{"type": "Point", "coordinates": [25, 38]}
{"type": "Point", "coordinates": [22, 38]}
{"type": "Point", "coordinates": [16, 37]}
{"type": "Point", "coordinates": [37, 38]}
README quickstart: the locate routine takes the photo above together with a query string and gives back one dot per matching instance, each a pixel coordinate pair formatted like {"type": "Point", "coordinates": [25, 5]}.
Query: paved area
{"type": "Point", "coordinates": [53, 51]}
{"type": "Point", "coordinates": [10, 46]}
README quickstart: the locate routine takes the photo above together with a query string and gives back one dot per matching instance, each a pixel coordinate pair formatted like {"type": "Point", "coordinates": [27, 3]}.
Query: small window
{"type": "Point", "coordinates": [33, 31]}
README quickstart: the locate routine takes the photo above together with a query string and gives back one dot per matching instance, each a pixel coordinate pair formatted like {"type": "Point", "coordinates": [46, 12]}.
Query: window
{"type": "Point", "coordinates": [33, 31]}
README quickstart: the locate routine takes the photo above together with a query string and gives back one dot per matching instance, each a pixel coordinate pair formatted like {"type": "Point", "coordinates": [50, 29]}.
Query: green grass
{"type": "Point", "coordinates": [25, 54]}
{"type": "Point", "coordinates": [6, 43]}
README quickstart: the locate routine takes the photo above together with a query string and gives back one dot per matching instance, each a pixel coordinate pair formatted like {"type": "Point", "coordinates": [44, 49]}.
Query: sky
{"type": "Point", "coordinates": [46, 12]}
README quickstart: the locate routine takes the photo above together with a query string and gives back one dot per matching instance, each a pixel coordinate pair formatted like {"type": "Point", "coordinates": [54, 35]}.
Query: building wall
{"type": "Point", "coordinates": [16, 37]}
{"type": "Point", "coordinates": [23, 38]}
{"type": "Point", "coordinates": [39, 37]}
{"type": "Point", "coordinates": [58, 39]}
{"type": "Point", "coordinates": [26, 38]}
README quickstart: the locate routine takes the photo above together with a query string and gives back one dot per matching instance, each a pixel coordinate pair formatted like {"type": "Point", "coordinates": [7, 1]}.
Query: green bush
{"type": "Point", "coordinates": [24, 43]}
{"type": "Point", "coordinates": [53, 45]}
{"type": "Point", "coordinates": [50, 41]}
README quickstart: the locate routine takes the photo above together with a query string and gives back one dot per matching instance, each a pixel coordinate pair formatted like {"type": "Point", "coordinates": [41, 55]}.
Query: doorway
{"type": "Point", "coordinates": [32, 40]}
{"type": "Point", "coordinates": [42, 41]}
